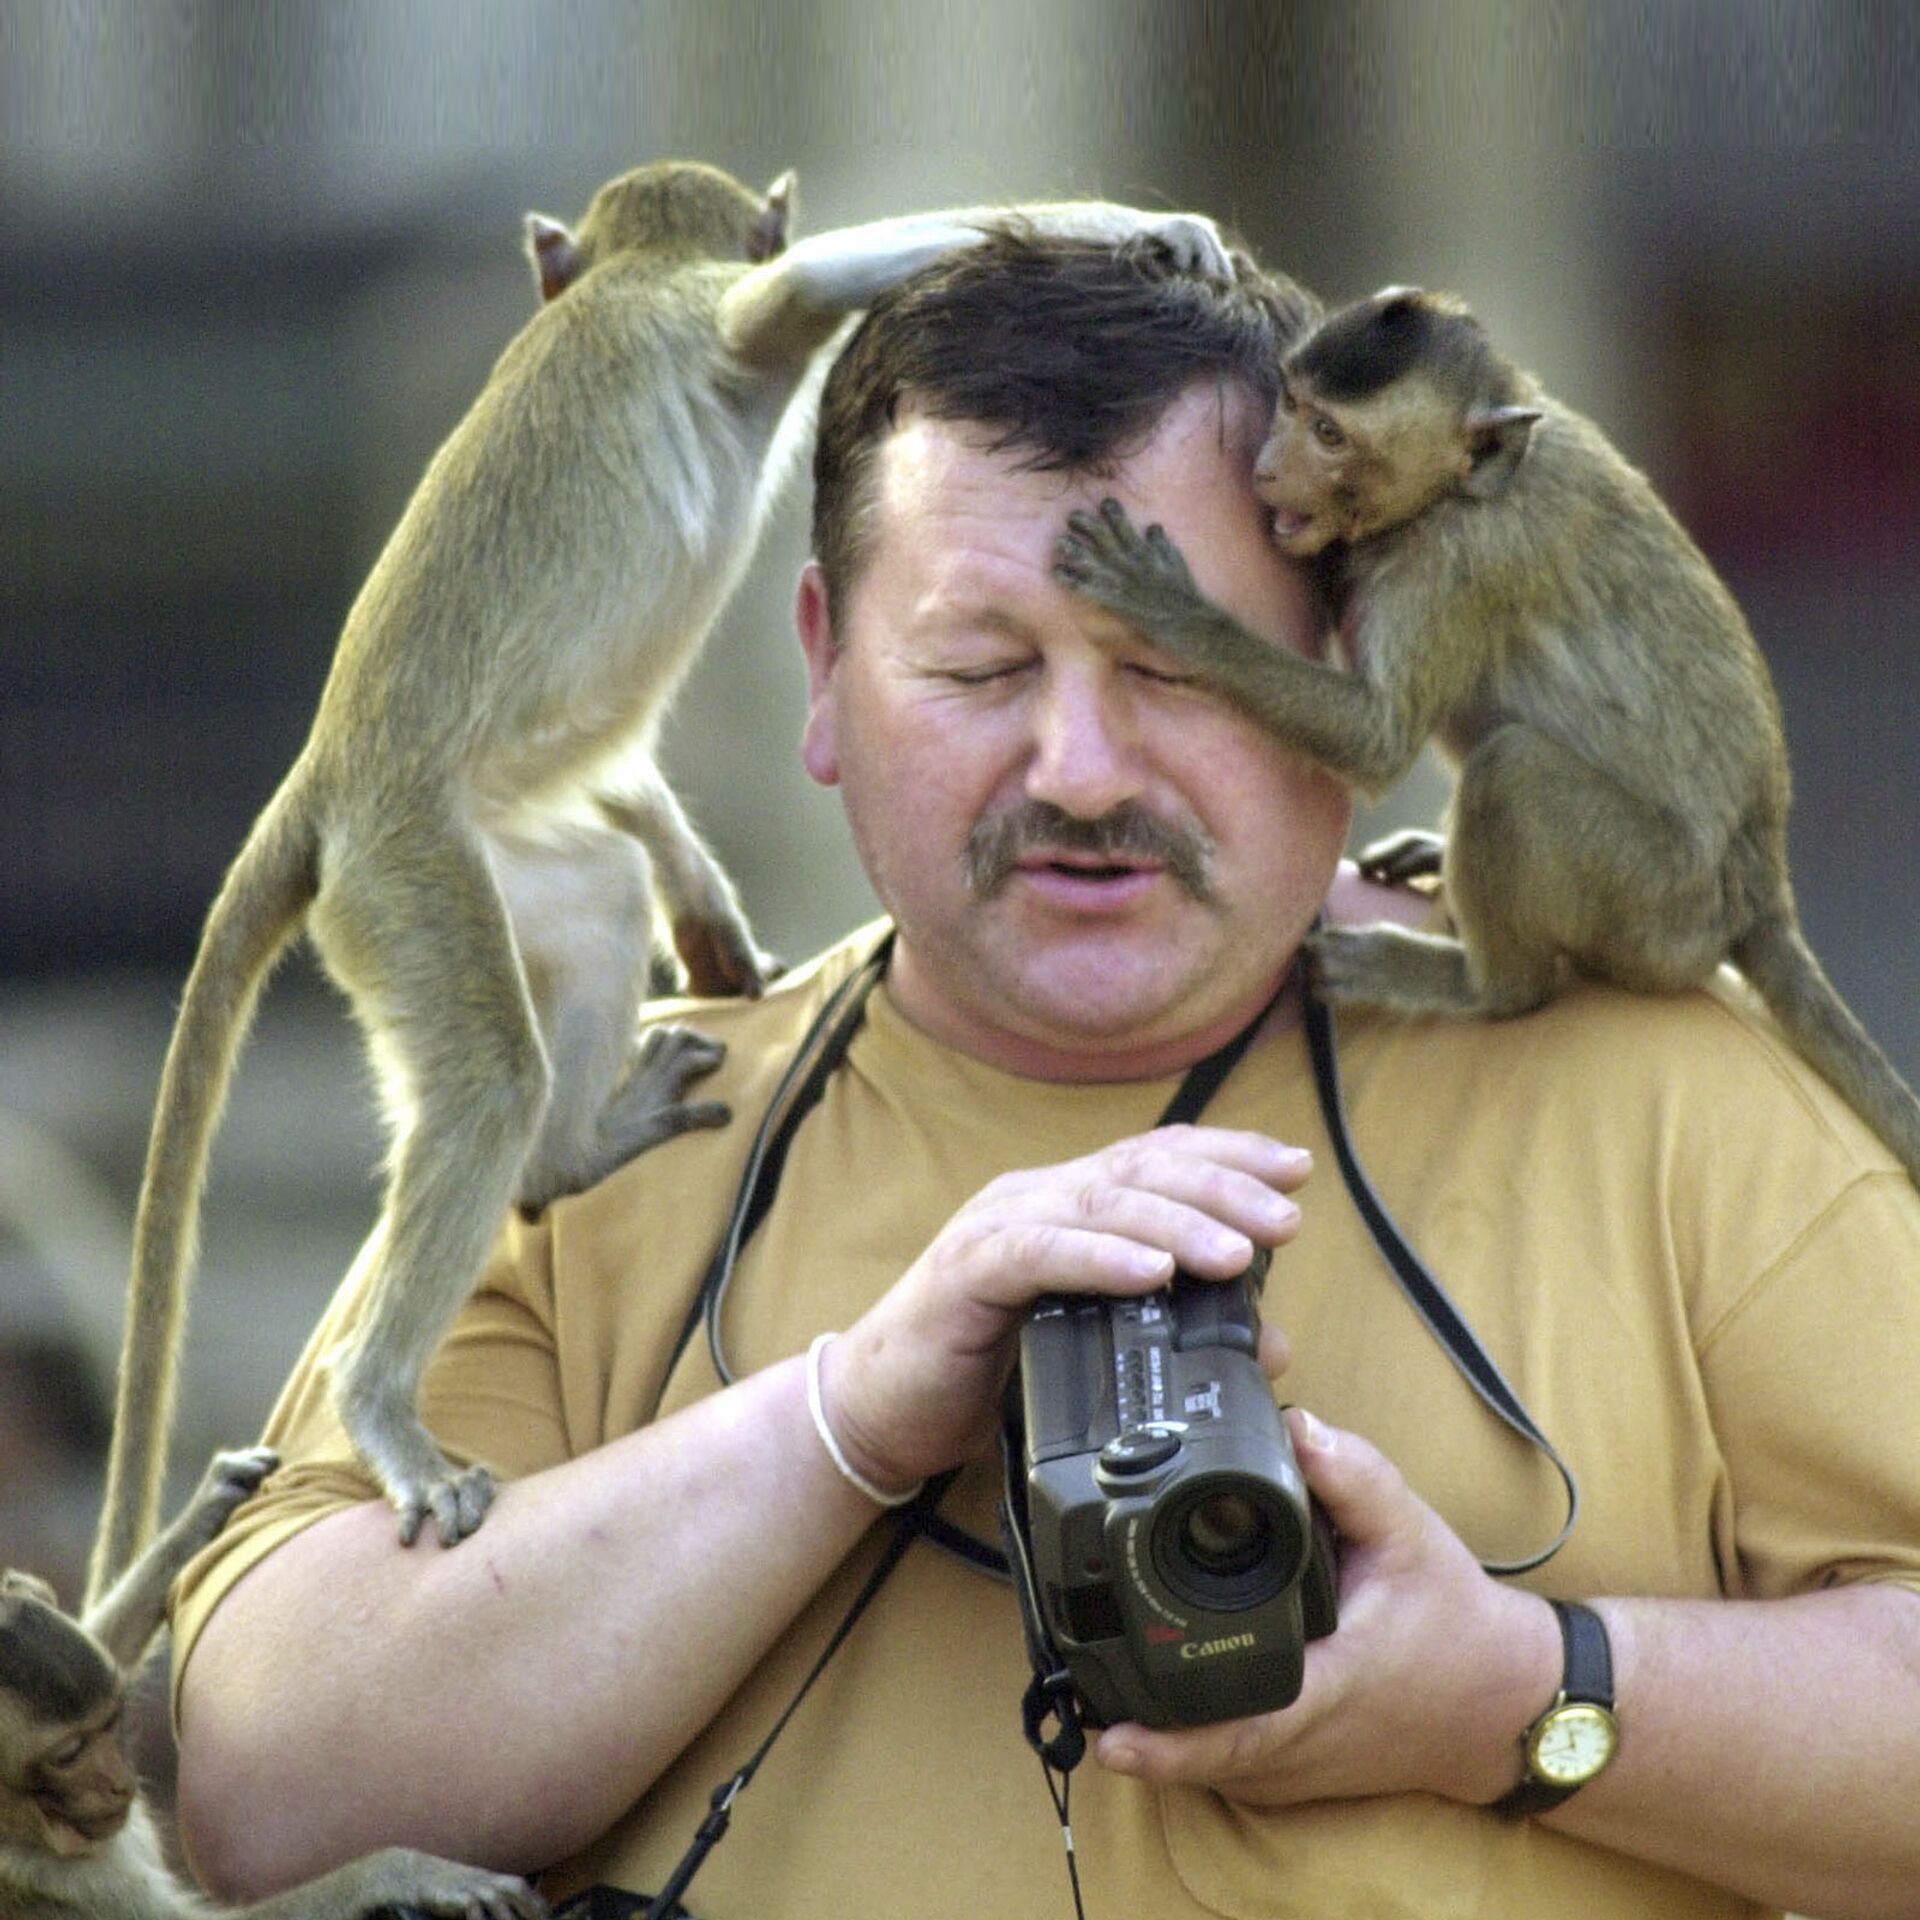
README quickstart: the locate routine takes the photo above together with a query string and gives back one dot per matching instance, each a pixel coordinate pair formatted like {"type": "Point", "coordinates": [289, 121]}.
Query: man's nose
{"type": "Point", "coordinates": [1085, 751]}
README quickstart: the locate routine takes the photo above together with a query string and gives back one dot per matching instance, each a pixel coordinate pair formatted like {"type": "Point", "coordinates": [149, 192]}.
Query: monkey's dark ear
{"type": "Point", "coordinates": [768, 235]}
{"type": "Point", "coordinates": [555, 254]}
{"type": "Point", "coordinates": [1497, 440]}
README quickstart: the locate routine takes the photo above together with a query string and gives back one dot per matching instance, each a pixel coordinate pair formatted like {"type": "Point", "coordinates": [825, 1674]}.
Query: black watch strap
{"type": "Point", "coordinates": [1586, 1680]}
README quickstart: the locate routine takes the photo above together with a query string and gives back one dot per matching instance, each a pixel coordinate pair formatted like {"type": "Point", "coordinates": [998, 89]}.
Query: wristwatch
{"type": "Point", "coordinates": [1578, 1735]}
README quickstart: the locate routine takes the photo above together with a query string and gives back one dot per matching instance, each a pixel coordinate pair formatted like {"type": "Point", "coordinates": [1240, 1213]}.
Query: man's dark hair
{"type": "Point", "coordinates": [1067, 352]}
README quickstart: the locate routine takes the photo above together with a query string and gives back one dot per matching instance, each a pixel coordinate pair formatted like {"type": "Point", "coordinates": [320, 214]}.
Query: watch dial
{"type": "Point", "coordinates": [1573, 1745]}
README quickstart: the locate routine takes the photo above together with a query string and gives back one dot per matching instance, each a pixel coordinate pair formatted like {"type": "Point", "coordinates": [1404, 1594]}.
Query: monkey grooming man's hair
{"type": "Point", "coordinates": [1069, 353]}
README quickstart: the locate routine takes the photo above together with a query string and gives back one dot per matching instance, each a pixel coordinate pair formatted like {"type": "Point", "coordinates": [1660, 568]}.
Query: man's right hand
{"type": "Point", "coordinates": [914, 1386]}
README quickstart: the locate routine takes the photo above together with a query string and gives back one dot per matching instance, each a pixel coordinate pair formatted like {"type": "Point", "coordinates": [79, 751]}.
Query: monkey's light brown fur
{"type": "Point", "coordinates": [471, 831]}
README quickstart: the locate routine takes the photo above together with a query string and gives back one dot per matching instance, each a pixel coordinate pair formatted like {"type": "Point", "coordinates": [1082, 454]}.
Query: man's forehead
{"type": "Point", "coordinates": [1209, 428]}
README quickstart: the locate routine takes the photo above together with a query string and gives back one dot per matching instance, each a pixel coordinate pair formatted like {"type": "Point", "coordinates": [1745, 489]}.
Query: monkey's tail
{"type": "Point", "coordinates": [1783, 969]}
{"type": "Point", "coordinates": [258, 910]}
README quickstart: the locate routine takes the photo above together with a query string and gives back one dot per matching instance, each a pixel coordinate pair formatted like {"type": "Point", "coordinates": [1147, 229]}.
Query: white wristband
{"type": "Point", "coordinates": [848, 1471]}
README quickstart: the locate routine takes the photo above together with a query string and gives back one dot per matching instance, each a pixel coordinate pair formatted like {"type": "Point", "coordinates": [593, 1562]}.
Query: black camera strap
{"type": "Point", "coordinates": [907, 1527]}
{"type": "Point", "coordinates": [1429, 1298]}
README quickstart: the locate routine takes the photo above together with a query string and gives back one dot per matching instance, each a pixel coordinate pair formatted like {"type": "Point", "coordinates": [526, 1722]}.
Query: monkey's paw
{"type": "Point", "coordinates": [1195, 244]}
{"type": "Point", "coordinates": [457, 1498]}
{"type": "Point", "coordinates": [417, 1478]}
{"type": "Point", "coordinates": [233, 1477]}
{"type": "Point", "coordinates": [722, 958]}
{"type": "Point", "coordinates": [414, 1884]}
{"type": "Point", "coordinates": [1142, 578]}
{"type": "Point", "coordinates": [650, 1105]}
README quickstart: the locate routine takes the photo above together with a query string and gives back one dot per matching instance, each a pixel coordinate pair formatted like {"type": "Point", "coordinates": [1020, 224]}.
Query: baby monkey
{"type": "Point", "coordinates": [474, 827]}
{"type": "Point", "coordinates": [76, 1841]}
{"type": "Point", "coordinates": [1507, 585]}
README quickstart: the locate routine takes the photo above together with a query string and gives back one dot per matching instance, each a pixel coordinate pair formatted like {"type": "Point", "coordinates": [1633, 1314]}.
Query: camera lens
{"type": "Point", "coordinates": [1227, 1542]}
{"type": "Point", "coordinates": [1226, 1534]}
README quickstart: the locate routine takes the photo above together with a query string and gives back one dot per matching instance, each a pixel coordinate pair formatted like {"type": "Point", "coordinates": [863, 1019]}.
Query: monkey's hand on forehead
{"type": "Point", "coordinates": [1141, 578]}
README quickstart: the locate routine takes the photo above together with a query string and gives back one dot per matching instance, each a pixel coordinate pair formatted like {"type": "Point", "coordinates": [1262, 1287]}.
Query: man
{"type": "Point", "coordinates": [1697, 1268]}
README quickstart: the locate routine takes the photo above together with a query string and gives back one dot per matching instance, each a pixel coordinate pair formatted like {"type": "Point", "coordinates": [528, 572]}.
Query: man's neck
{"type": "Point", "coordinates": [1082, 1058]}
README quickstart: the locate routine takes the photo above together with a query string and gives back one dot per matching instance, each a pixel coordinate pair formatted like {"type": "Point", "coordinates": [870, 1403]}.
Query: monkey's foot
{"type": "Point", "coordinates": [423, 1883]}
{"type": "Point", "coordinates": [230, 1479]}
{"type": "Point", "coordinates": [722, 957]}
{"type": "Point", "coordinates": [1391, 967]}
{"type": "Point", "coordinates": [650, 1105]}
{"type": "Point", "coordinates": [457, 1498]}
{"type": "Point", "coordinates": [417, 1478]}
{"type": "Point", "coordinates": [1195, 245]}
{"type": "Point", "coordinates": [1409, 972]}
{"type": "Point", "coordinates": [236, 1476]}
{"type": "Point", "coordinates": [1411, 854]}
{"type": "Point", "coordinates": [646, 1107]}
{"type": "Point", "coordinates": [1141, 578]}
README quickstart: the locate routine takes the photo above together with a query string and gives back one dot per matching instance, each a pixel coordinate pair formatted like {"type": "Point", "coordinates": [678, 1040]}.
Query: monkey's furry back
{"type": "Point", "coordinates": [638, 497]}
{"type": "Point", "coordinates": [1602, 607]}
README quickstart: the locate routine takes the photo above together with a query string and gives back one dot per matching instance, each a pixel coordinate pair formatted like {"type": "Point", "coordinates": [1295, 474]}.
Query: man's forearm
{"type": "Point", "coordinates": [1771, 1747]}
{"type": "Point", "coordinates": [506, 1701]}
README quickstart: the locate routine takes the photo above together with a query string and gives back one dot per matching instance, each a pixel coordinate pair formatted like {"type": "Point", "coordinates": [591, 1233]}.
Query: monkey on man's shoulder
{"type": "Point", "coordinates": [1506, 584]}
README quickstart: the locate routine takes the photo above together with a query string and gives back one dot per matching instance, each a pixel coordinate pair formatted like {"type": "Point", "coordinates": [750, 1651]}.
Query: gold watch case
{"type": "Point", "coordinates": [1571, 1742]}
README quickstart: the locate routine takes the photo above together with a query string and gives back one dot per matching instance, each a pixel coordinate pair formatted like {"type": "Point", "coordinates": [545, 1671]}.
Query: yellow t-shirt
{"type": "Point", "coordinates": [1697, 1268]}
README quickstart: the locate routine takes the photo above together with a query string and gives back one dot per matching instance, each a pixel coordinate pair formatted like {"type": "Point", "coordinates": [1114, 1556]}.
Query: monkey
{"type": "Point", "coordinates": [1507, 584]}
{"type": "Point", "coordinates": [469, 832]}
{"type": "Point", "coordinates": [76, 1840]}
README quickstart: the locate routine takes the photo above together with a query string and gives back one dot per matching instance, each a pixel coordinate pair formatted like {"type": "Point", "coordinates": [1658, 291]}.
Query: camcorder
{"type": "Point", "coordinates": [1159, 1523]}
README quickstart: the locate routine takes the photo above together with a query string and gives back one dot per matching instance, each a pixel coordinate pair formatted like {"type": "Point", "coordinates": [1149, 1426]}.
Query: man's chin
{"type": "Point", "coordinates": [1096, 1003]}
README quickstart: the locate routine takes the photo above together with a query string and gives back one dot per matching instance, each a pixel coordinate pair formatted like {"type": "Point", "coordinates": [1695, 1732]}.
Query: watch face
{"type": "Point", "coordinates": [1572, 1744]}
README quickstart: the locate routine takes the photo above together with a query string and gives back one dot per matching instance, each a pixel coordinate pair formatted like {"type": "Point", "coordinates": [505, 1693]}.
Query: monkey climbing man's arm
{"type": "Point", "coordinates": [1367, 727]}
{"type": "Point", "coordinates": [789, 305]}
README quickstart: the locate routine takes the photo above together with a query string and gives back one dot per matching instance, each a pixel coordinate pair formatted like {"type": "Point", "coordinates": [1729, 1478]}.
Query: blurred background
{"type": "Point", "coordinates": [259, 257]}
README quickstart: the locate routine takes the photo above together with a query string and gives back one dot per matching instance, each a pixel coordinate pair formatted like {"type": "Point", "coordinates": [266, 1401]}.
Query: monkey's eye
{"type": "Point", "coordinates": [1328, 434]}
{"type": "Point", "coordinates": [68, 1751]}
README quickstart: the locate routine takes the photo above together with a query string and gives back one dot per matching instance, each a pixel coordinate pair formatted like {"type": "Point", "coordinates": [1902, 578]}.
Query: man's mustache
{"type": "Point", "coordinates": [996, 844]}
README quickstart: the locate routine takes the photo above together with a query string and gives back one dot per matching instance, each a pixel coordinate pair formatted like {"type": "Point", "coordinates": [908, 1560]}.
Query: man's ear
{"type": "Point", "coordinates": [813, 621]}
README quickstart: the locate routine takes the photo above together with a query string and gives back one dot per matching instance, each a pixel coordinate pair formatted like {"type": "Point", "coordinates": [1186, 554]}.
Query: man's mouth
{"type": "Point", "coordinates": [1086, 866]}
{"type": "Point", "coordinates": [1087, 881]}
{"type": "Point", "coordinates": [1105, 863]}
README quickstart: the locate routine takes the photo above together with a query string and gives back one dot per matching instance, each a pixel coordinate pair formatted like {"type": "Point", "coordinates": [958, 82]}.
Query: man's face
{"type": "Point", "coordinates": [1097, 869]}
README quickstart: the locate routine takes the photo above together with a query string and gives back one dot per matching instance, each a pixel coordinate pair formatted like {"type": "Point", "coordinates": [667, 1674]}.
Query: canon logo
{"type": "Point", "coordinates": [1227, 1643]}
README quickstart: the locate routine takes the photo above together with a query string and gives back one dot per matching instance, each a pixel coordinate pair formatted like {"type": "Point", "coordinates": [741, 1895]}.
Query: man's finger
{"type": "Point", "coordinates": [1361, 1489]}
{"type": "Point", "coordinates": [1207, 1756]}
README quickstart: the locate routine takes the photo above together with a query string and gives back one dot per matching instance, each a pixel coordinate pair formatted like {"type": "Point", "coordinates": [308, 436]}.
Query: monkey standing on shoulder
{"type": "Point", "coordinates": [76, 1841]}
{"type": "Point", "coordinates": [1511, 587]}
{"type": "Point", "coordinates": [469, 830]}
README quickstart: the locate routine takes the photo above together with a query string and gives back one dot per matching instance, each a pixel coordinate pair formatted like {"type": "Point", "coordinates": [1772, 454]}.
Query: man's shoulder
{"type": "Point", "coordinates": [761, 1033]}
{"type": "Point", "coordinates": [1711, 1059]}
